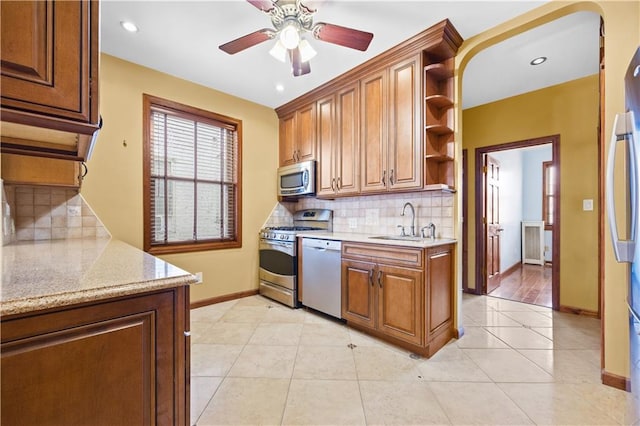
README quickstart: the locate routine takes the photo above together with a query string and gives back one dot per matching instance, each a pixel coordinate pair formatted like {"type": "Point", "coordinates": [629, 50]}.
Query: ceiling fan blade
{"type": "Point", "coordinates": [343, 36]}
{"type": "Point", "coordinates": [246, 41]}
{"type": "Point", "coordinates": [311, 5]}
{"type": "Point", "coordinates": [299, 67]}
{"type": "Point", "coordinates": [263, 5]}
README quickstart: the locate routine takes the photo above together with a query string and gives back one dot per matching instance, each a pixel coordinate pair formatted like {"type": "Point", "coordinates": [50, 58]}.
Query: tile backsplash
{"type": "Point", "coordinates": [48, 213]}
{"type": "Point", "coordinates": [378, 214]}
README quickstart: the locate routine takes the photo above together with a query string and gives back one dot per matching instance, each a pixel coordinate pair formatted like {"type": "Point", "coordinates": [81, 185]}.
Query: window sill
{"type": "Point", "coordinates": [192, 247]}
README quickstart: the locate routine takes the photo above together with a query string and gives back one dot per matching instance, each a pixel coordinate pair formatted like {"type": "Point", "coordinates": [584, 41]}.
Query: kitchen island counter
{"type": "Point", "coordinates": [42, 275]}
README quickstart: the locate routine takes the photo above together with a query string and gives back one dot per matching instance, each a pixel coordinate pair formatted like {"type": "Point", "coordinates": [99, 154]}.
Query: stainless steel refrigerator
{"type": "Point", "coordinates": [627, 130]}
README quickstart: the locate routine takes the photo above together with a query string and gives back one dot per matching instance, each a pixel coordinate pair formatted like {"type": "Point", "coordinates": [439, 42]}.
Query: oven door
{"type": "Point", "coordinates": [278, 263]}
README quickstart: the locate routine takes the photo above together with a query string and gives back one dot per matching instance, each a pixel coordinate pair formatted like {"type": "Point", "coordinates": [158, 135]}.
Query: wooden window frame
{"type": "Point", "coordinates": [192, 113]}
{"type": "Point", "coordinates": [546, 165]}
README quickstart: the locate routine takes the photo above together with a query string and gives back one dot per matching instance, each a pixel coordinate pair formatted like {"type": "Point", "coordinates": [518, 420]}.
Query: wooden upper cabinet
{"type": "Point", "coordinates": [338, 137]}
{"type": "Point", "coordinates": [405, 146]}
{"type": "Point", "coordinates": [392, 153]}
{"type": "Point", "coordinates": [373, 134]}
{"type": "Point", "coordinates": [326, 138]}
{"type": "Point", "coordinates": [298, 135]}
{"type": "Point", "coordinates": [347, 158]}
{"type": "Point", "coordinates": [306, 137]}
{"type": "Point", "coordinates": [287, 139]}
{"type": "Point", "coordinates": [49, 72]}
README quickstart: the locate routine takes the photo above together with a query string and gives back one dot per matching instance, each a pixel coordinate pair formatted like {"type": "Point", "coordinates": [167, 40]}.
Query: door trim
{"type": "Point", "coordinates": [480, 258]}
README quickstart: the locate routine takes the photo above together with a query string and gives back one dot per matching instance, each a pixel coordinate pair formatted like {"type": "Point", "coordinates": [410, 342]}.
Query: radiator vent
{"type": "Point", "coordinates": [533, 242]}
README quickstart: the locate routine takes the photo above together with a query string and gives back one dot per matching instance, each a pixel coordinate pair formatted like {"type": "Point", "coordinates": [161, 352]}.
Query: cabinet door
{"type": "Point", "coordinates": [440, 288]}
{"type": "Point", "coordinates": [358, 293]}
{"type": "Point", "coordinates": [405, 148]}
{"type": "Point", "coordinates": [373, 134]}
{"type": "Point", "coordinates": [121, 362]}
{"type": "Point", "coordinates": [305, 142]}
{"type": "Point", "coordinates": [48, 60]}
{"type": "Point", "coordinates": [287, 139]}
{"type": "Point", "coordinates": [346, 157]}
{"type": "Point", "coordinates": [326, 147]}
{"type": "Point", "coordinates": [400, 308]}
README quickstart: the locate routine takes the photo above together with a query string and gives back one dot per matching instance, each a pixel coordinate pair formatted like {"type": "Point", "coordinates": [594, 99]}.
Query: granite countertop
{"type": "Point", "coordinates": [47, 274]}
{"type": "Point", "coordinates": [367, 238]}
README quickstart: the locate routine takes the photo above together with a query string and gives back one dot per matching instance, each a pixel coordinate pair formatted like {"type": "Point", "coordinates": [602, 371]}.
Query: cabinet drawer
{"type": "Point", "coordinates": [395, 255]}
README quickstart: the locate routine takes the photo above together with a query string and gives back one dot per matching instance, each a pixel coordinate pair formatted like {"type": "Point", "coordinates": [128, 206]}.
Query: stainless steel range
{"type": "Point", "coordinates": [279, 255]}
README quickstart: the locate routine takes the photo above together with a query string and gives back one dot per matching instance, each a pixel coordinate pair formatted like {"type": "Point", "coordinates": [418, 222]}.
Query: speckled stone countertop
{"type": "Point", "coordinates": [47, 274]}
{"type": "Point", "coordinates": [368, 238]}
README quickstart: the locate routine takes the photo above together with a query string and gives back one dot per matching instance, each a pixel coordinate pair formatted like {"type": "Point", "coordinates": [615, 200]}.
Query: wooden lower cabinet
{"type": "Point", "coordinates": [113, 362]}
{"type": "Point", "coordinates": [400, 294]}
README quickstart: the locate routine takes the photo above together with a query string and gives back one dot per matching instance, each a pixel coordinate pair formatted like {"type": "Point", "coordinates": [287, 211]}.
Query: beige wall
{"type": "Point", "coordinates": [622, 38]}
{"type": "Point", "coordinates": [113, 186]}
{"type": "Point", "coordinates": [571, 111]}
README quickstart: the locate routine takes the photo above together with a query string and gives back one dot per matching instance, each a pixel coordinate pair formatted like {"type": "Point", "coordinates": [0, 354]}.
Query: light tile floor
{"type": "Point", "coordinates": [254, 361]}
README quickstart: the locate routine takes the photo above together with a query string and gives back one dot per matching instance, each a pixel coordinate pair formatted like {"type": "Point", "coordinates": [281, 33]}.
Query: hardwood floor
{"type": "Point", "coordinates": [527, 284]}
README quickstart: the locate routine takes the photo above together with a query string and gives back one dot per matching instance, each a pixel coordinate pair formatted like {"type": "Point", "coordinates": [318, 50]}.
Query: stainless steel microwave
{"type": "Point", "coordinates": [297, 179]}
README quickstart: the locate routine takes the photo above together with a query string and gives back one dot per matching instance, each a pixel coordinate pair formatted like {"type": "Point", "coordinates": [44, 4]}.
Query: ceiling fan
{"type": "Point", "coordinates": [291, 19]}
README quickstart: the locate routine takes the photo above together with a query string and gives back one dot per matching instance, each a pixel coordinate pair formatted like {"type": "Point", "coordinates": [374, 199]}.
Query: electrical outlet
{"type": "Point", "coordinates": [199, 277]}
{"type": "Point", "coordinates": [587, 205]}
{"type": "Point", "coordinates": [353, 223]}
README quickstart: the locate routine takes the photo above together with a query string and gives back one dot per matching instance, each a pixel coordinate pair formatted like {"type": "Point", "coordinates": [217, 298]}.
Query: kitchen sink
{"type": "Point", "coordinates": [398, 238]}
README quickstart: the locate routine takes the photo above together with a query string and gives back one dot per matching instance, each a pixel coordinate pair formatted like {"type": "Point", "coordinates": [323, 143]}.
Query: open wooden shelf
{"type": "Point", "coordinates": [439, 141]}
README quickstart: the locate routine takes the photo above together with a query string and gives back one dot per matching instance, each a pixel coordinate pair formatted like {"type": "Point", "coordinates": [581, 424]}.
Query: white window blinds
{"type": "Point", "coordinates": [193, 179]}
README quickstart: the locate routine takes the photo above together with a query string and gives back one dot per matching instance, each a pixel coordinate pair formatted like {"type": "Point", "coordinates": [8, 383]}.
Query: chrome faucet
{"type": "Point", "coordinates": [432, 231]}
{"type": "Point", "coordinates": [413, 217]}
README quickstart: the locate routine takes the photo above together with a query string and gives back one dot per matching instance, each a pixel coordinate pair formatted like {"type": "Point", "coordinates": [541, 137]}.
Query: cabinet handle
{"type": "Point", "coordinates": [380, 278]}
{"type": "Point", "coordinates": [333, 184]}
{"type": "Point", "coordinates": [187, 333]}
{"type": "Point", "coordinates": [384, 178]}
{"type": "Point", "coordinates": [339, 184]}
{"type": "Point", "coordinates": [391, 182]}
{"type": "Point", "coordinates": [295, 155]}
{"type": "Point", "coordinates": [371, 277]}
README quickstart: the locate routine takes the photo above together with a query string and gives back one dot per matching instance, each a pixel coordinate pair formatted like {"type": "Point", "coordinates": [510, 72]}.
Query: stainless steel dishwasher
{"type": "Point", "coordinates": [321, 273]}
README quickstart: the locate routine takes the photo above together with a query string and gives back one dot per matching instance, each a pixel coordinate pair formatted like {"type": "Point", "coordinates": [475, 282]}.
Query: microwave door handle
{"type": "Point", "coordinates": [623, 130]}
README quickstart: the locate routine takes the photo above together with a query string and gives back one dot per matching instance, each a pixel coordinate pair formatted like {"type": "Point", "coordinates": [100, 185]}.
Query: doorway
{"type": "Point", "coordinates": [505, 217]}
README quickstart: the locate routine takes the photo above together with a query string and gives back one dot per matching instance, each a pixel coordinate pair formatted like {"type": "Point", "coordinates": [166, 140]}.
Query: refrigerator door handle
{"type": "Point", "coordinates": [633, 313]}
{"type": "Point", "coordinates": [623, 130]}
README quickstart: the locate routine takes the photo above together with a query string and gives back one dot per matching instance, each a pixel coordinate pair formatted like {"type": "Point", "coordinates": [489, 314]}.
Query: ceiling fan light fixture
{"type": "Point", "coordinates": [306, 51]}
{"type": "Point", "coordinates": [278, 51]}
{"type": "Point", "coordinates": [289, 35]}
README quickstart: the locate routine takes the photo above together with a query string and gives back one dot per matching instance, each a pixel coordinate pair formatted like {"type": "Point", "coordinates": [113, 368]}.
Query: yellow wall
{"type": "Point", "coordinates": [570, 110]}
{"type": "Point", "coordinates": [622, 38]}
{"type": "Point", "coordinates": [113, 187]}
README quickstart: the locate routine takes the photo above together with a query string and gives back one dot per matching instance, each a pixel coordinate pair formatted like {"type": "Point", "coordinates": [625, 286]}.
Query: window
{"type": "Point", "coordinates": [548, 195]}
{"type": "Point", "coordinates": [192, 185]}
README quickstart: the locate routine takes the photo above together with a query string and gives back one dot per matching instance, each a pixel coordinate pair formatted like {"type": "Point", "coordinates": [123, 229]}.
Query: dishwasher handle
{"type": "Point", "coordinates": [323, 245]}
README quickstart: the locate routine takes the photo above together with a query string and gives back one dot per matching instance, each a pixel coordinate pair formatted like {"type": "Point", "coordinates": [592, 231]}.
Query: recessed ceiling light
{"type": "Point", "coordinates": [279, 88]}
{"type": "Point", "coordinates": [129, 26]}
{"type": "Point", "coordinates": [539, 60]}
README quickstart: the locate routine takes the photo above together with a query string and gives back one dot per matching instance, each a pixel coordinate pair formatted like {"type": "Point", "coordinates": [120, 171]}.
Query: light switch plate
{"type": "Point", "coordinates": [587, 205]}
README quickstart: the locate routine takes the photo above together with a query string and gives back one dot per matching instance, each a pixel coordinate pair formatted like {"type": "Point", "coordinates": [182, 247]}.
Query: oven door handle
{"type": "Point", "coordinates": [278, 246]}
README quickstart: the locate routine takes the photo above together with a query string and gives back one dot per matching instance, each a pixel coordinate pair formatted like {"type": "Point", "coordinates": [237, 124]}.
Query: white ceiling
{"type": "Point", "coordinates": [181, 38]}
